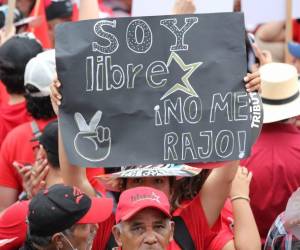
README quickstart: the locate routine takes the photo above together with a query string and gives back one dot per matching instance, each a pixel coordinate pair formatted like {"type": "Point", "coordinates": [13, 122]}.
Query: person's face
{"type": "Point", "coordinates": [149, 229]}
{"type": "Point", "coordinates": [81, 238]}
{"type": "Point", "coordinates": [159, 183]}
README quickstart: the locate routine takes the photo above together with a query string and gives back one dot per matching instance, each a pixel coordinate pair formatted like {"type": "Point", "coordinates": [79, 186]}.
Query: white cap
{"type": "Point", "coordinates": [40, 72]}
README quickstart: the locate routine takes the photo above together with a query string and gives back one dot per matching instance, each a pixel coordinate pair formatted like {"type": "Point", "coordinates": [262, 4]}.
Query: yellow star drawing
{"type": "Point", "coordinates": [185, 86]}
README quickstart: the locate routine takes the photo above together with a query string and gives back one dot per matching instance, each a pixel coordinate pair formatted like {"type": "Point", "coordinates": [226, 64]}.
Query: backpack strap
{"type": "Point", "coordinates": [182, 235]}
{"type": "Point", "coordinates": [35, 130]}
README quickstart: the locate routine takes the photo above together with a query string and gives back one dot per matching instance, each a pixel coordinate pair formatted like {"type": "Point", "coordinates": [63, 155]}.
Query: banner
{"type": "Point", "coordinates": [155, 90]}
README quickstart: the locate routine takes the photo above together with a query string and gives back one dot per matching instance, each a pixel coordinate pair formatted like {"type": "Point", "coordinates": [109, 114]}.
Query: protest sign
{"type": "Point", "coordinates": [262, 11]}
{"type": "Point", "coordinates": [153, 90]}
{"type": "Point", "coordinates": [158, 7]}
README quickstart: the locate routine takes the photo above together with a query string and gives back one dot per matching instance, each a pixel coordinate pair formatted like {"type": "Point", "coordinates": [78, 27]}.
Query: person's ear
{"type": "Point", "coordinates": [117, 234]}
{"type": "Point", "coordinates": [42, 152]}
{"type": "Point", "coordinates": [172, 225]}
{"type": "Point", "coordinates": [57, 240]}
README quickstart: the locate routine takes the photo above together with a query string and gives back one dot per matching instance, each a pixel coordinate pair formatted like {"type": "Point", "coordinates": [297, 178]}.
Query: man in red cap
{"type": "Point", "coordinates": [62, 217]}
{"type": "Point", "coordinates": [143, 220]}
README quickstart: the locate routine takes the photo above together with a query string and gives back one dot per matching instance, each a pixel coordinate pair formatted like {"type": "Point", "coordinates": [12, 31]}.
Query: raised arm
{"type": "Point", "coordinates": [88, 9]}
{"type": "Point", "coordinates": [216, 189]}
{"type": "Point", "coordinates": [272, 32]}
{"type": "Point", "coordinates": [246, 236]}
{"type": "Point", "coordinates": [71, 174]}
{"type": "Point", "coordinates": [183, 7]}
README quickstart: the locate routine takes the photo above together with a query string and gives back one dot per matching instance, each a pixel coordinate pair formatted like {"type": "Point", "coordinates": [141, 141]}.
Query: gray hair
{"type": "Point", "coordinates": [42, 241]}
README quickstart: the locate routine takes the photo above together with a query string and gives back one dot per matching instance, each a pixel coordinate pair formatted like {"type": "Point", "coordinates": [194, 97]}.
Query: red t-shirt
{"type": "Point", "coordinates": [11, 116]}
{"type": "Point", "coordinates": [191, 213]}
{"type": "Point", "coordinates": [3, 95]}
{"type": "Point", "coordinates": [296, 31]}
{"type": "Point", "coordinates": [13, 225]}
{"type": "Point", "coordinates": [226, 233]}
{"type": "Point", "coordinates": [275, 164]}
{"type": "Point", "coordinates": [18, 146]}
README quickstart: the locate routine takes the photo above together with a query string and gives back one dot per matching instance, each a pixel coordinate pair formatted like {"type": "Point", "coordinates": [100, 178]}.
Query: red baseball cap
{"type": "Point", "coordinates": [13, 225]}
{"type": "Point", "coordinates": [136, 199]}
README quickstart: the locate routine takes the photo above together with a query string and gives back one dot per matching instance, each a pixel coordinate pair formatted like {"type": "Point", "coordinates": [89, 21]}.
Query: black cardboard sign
{"type": "Point", "coordinates": [162, 89]}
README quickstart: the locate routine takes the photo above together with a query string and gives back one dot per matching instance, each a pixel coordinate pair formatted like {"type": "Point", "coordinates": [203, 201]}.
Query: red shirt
{"type": "Point", "coordinates": [3, 94]}
{"type": "Point", "coordinates": [296, 31]}
{"type": "Point", "coordinates": [13, 225]}
{"type": "Point", "coordinates": [192, 214]}
{"type": "Point", "coordinates": [11, 116]}
{"type": "Point", "coordinates": [275, 163]}
{"type": "Point", "coordinates": [226, 233]}
{"type": "Point", "coordinates": [17, 146]}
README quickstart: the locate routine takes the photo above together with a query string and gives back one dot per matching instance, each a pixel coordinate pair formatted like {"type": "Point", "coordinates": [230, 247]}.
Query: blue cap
{"type": "Point", "coordinates": [294, 49]}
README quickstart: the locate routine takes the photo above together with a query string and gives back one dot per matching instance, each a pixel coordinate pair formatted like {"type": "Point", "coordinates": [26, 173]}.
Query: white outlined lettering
{"type": "Point", "coordinates": [170, 141]}
{"type": "Point", "coordinates": [132, 39]}
{"type": "Point", "coordinates": [171, 24]}
{"type": "Point", "coordinates": [156, 68]}
{"type": "Point", "coordinates": [220, 103]}
{"type": "Point", "coordinates": [111, 38]}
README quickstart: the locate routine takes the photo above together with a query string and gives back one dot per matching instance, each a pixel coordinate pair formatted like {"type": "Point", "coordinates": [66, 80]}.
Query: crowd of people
{"type": "Point", "coordinates": [48, 203]}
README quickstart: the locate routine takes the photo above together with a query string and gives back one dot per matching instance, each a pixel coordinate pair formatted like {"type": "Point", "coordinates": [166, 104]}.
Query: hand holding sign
{"type": "Point", "coordinates": [93, 142]}
{"type": "Point", "coordinates": [163, 107]}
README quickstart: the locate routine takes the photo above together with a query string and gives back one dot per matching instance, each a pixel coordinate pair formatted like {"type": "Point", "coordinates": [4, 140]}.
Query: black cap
{"type": "Point", "coordinates": [60, 207]}
{"type": "Point", "coordinates": [59, 9]}
{"type": "Point", "coordinates": [19, 49]}
{"type": "Point", "coordinates": [49, 138]}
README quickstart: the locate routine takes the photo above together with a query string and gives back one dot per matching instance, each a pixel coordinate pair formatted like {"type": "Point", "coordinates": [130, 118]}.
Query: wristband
{"type": "Point", "coordinates": [238, 197]}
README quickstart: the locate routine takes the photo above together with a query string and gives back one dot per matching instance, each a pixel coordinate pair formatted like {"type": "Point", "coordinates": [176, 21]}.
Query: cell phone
{"type": "Point", "coordinates": [252, 59]}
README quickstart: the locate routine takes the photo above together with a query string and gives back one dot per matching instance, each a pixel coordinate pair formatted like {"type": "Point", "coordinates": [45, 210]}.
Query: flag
{"type": "Point", "coordinates": [41, 30]}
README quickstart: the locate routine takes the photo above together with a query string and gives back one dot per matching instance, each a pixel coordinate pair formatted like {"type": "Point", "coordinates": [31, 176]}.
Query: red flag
{"type": "Point", "coordinates": [75, 15]}
{"type": "Point", "coordinates": [41, 30]}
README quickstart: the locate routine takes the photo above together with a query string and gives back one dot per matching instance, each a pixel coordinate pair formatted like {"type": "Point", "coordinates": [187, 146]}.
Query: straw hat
{"type": "Point", "coordinates": [280, 91]}
{"type": "Point", "coordinates": [112, 181]}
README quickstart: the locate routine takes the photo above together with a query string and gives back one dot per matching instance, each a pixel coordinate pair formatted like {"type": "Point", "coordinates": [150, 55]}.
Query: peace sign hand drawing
{"type": "Point", "coordinates": [93, 141]}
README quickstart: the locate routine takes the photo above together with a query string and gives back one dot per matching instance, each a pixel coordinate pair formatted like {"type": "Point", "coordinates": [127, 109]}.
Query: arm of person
{"type": "Point", "coordinates": [216, 189]}
{"type": "Point", "coordinates": [88, 9]}
{"type": "Point", "coordinates": [246, 235]}
{"type": "Point", "coordinates": [9, 185]}
{"type": "Point", "coordinates": [8, 196]}
{"type": "Point", "coordinates": [71, 174]}
{"type": "Point", "coordinates": [263, 56]}
{"type": "Point", "coordinates": [272, 32]}
{"type": "Point", "coordinates": [184, 7]}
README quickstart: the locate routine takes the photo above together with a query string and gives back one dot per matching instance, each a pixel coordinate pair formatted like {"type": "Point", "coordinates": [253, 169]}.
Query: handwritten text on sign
{"type": "Point", "coordinates": [156, 90]}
